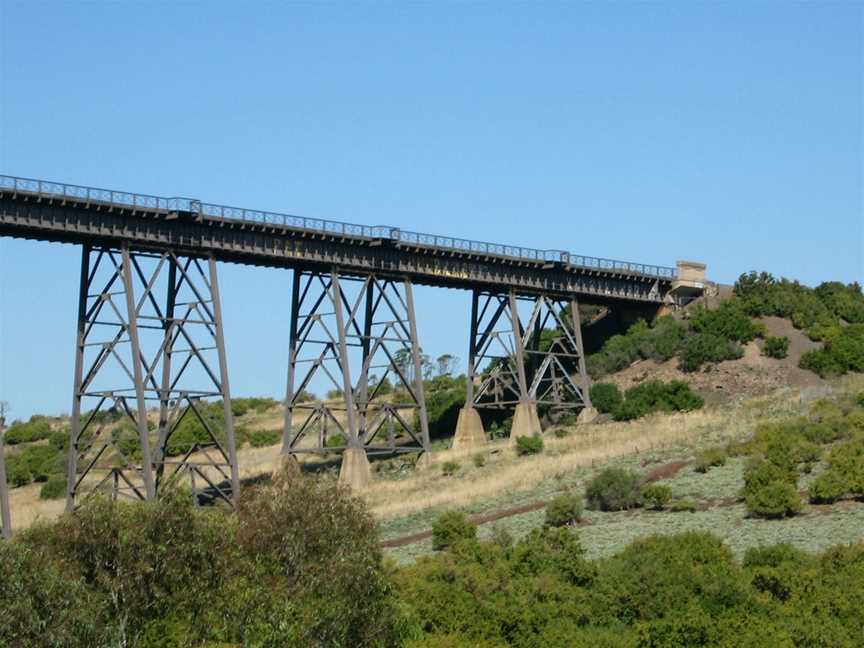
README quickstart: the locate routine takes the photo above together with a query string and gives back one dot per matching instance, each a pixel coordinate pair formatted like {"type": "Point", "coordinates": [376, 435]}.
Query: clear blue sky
{"type": "Point", "coordinates": [729, 133]}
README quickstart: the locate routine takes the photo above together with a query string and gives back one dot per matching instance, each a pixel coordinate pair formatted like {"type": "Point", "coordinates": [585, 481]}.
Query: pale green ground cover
{"type": "Point", "coordinates": [603, 534]}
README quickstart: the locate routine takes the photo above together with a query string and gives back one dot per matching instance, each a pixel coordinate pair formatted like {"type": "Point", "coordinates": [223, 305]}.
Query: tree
{"type": "Point", "coordinates": [446, 364]}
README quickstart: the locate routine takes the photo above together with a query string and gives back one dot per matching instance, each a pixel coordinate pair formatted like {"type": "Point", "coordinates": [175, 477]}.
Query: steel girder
{"type": "Point", "coordinates": [537, 357]}
{"type": "Point", "coordinates": [5, 514]}
{"type": "Point", "coordinates": [150, 339]}
{"type": "Point", "coordinates": [360, 334]}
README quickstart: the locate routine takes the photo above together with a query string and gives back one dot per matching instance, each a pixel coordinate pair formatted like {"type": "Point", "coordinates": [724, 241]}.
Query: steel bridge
{"type": "Point", "coordinates": [150, 349]}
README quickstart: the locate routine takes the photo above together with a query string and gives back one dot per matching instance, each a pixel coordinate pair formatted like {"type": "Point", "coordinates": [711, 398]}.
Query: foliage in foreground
{"type": "Point", "coordinates": [684, 590]}
{"type": "Point", "coordinates": [168, 574]}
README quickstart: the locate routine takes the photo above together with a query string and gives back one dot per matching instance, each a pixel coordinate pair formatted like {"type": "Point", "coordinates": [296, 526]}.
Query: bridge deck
{"type": "Point", "coordinates": [52, 211]}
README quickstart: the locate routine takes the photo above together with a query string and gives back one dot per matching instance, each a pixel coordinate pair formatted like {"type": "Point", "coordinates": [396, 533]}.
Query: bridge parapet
{"type": "Point", "coordinates": [174, 205]}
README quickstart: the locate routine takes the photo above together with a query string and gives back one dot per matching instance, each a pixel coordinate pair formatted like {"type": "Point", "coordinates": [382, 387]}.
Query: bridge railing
{"type": "Point", "coordinates": [224, 212]}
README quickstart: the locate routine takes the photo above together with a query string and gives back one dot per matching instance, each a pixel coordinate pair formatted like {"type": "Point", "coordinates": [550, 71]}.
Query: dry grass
{"type": "Point", "coordinates": [588, 446]}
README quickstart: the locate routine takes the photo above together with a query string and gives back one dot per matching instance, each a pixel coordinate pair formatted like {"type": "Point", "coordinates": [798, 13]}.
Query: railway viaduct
{"type": "Point", "coordinates": [150, 344]}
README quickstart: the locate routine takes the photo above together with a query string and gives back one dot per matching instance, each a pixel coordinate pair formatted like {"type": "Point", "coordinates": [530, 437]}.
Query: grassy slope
{"type": "Point", "coordinates": [568, 464]}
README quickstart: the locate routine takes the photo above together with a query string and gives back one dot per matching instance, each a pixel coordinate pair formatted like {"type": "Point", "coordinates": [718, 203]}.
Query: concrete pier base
{"type": "Point", "coordinates": [526, 421]}
{"type": "Point", "coordinates": [469, 430]}
{"type": "Point", "coordinates": [425, 461]}
{"type": "Point", "coordinates": [587, 415]}
{"type": "Point", "coordinates": [355, 471]}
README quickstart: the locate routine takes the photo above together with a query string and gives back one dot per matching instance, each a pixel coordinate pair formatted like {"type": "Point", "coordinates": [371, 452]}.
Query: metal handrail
{"type": "Point", "coordinates": [223, 212]}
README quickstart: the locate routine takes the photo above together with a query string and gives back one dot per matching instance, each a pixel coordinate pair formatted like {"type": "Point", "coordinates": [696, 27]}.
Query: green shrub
{"type": "Point", "coordinates": [336, 440]}
{"type": "Point", "coordinates": [710, 458]}
{"type": "Point", "coordinates": [684, 506]}
{"type": "Point", "coordinates": [844, 301]}
{"type": "Point", "coordinates": [705, 348]}
{"type": "Point", "coordinates": [42, 461]}
{"type": "Point", "coordinates": [564, 510]}
{"type": "Point", "coordinates": [614, 489]}
{"type": "Point", "coordinates": [656, 496]}
{"type": "Point", "coordinates": [761, 473]}
{"type": "Point", "coordinates": [479, 460]}
{"type": "Point", "coordinates": [190, 431]}
{"type": "Point", "coordinates": [36, 429]}
{"type": "Point", "coordinates": [606, 397]}
{"type": "Point", "coordinates": [449, 468]}
{"type": "Point", "coordinates": [657, 396]}
{"type": "Point", "coordinates": [560, 432]}
{"type": "Point", "coordinates": [841, 354]}
{"type": "Point", "coordinates": [54, 488]}
{"type": "Point", "coordinates": [660, 341]}
{"type": "Point", "coordinates": [450, 528]}
{"type": "Point", "coordinates": [728, 322]}
{"type": "Point", "coordinates": [776, 499]}
{"type": "Point", "coordinates": [847, 461]}
{"type": "Point", "coordinates": [528, 445]}
{"type": "Point", "coordinates": [17, 471]}
{"type": "Point", "coordinates": [776, 347]}
{"type": "Point", "coordinates": [827, 488]}
{"type": "Point", "coordinates": [261, 438]}
{"type": "Point", "coordinates": [60, 439]}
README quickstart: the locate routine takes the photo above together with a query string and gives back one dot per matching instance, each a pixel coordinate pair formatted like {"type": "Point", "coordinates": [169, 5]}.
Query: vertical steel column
{"type": "Point", "coordinates": [223, 379]}
{"type": "Point", "coordinates": [577, 331]}
{"type": "Point", "coordinates": [354, 437]}
{"type": "Point", "coordinates": [141, 421]}
{"type": "Point", "coordinates": [167, 353]}
{"type": "Point", "coordinates": [418, 369]}
{"type": "Point", "coordinates": [292, 362]}
{"type": "Point", "coordinates": [75, 421]}
{"type": "Point", "coordinates": [365, 344]}
{"type": "Point", "coordinates": [519, 348]}
{"type": "Point", "coordinates": [5, 515]}
{"type": "Point", "coordinates": [472, 350]}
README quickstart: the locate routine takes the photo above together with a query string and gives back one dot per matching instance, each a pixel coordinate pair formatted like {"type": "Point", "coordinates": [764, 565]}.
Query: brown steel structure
{"type": "Point", "coordinates": [5, 514]}
{"type": "Point", "coordinates": [149, 307]}
{"type": "Point", "coordinates": [149, 336]}
{"type": "Point", "coordinates": [511, 362]}
{"type": "Point", "coordinates": [373, 317]}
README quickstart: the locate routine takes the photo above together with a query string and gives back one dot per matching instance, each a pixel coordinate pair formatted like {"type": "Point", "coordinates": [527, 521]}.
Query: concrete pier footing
{"type": "Point", "coordinates": [355, 471]}
{"type": "Point", "coordinates": [587, 415]}
{"type": "Point", "coordinates": [469, 430]}
{"type": "Point", "coordinates": [526, 421]}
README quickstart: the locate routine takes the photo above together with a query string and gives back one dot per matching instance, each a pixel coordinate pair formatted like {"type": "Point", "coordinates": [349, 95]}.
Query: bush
{"type": "Point", "coordinates": [450, 528]}
{"type": "Point", "coordinates": [684, 506]}
{"type": "Point", "coordinates": [776, 347]}
{"type": "Point", "coordinates": [42, 461]}
{"type": "Point", "coordinates": [336, 440]}
{"type": "Point", "coordinates": [827, 488]}
{"type": "Point", "coordinates": [656, 496]}
{"type": "Point", "coordinates": [660, 341]}
{"type": "Point", "coordinates": [17, 472]}
{"type": "Point", "coordinates": [479, 460]}
{"type": "Point", "coordinates": [528, 445]}
{"type": "Point", "coordinates": [54, 488]}
{"type": "Point", "coordinates": [606, 397]}
{"type": "Point", "coordinates": [261, 438]}
{"type": "Point", "coordinates": [449, 468]}
{"type": "Point", "coordinates": [36, 429]}
{"type": "Point", "coordinates": [776, 499]}
{"type": "Point", "coordinates": [614, 489]}
{"type": "Point", "coordinates": [728, 322]}
{"type": "Point", "coordinates": [842, 353]}
{"type": "Point", "coordinates": [710, 458]}
{"type": "Point", "coordinates": [564, 510]}
{"type": "Point", "coordinates": [705, 348]}
{"type": "Point", "coordinates": [760, 474]}
{"type": "Point", "coordinates": [190, 431]}
{"type": "Point", "coordinates": [657, 396]}
{"type": "Point", "coordinates": [60, 439]}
